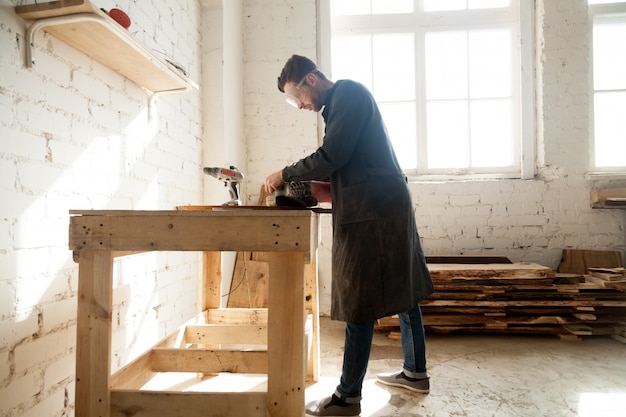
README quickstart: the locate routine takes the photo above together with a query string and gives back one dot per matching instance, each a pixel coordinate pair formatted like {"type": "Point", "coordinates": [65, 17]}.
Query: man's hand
{"type": "Point", "coordinates": [274, 181]}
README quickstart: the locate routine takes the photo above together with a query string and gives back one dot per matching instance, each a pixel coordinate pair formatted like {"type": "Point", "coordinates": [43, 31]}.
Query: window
{"type": "Point", "coordinates": [609, 85]}
{"type": "Point", "coordinates": [447, 75]}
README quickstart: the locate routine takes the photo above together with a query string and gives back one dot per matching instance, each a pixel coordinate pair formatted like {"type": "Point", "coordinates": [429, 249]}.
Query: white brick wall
{"type": "Point", "coordinates": [76, 135]}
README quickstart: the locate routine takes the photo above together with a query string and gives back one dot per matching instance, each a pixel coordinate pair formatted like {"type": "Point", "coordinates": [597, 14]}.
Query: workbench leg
{"type": "Point", "coordinates": [286, 338]}
{"type": "Point", "coordinates": [312, 306]}
{"type": "Point", "coordinates": [210, 291]}
{"type": "Point", "coordinates": [93, 334]}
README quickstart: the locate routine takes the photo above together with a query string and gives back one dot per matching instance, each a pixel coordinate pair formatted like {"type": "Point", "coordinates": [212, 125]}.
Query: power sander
{"type": "Point", "coordinates": [231, 177]}
{"type": "Point", "coordinates": [293, 194]}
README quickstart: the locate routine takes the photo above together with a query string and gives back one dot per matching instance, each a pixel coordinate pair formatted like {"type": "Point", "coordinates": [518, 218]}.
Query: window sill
{"type": "Point", "coordinates": [603, 175]}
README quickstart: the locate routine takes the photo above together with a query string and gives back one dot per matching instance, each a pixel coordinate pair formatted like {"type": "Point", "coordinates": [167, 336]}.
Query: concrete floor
{"type": "Point", "coordinates": [489, 375]}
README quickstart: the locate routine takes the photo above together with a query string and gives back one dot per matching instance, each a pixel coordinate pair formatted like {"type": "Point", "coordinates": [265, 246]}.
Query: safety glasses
{"type": "Point", "coordinates": [294, 101]}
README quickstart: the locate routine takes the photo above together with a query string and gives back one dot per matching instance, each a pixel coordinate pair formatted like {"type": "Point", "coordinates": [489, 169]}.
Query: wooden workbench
{"type": "Point", "coordinates": [97, 237]}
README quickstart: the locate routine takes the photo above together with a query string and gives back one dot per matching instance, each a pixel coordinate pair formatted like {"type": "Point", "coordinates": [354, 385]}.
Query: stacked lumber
{"type": "Point", "coordinates": [520, 298]}
{"type": "Point", "coordinates": [614, 278]}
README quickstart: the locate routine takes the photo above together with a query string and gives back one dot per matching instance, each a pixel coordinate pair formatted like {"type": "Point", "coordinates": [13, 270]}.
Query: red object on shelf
{"type": "Point", "coordinates": [120, 17]}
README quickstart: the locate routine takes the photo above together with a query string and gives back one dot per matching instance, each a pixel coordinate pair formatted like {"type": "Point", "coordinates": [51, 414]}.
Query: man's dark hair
{"type": "Point", "coordinates": [296, 68]}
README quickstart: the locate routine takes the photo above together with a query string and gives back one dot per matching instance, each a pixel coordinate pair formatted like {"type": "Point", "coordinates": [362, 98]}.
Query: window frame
{"type": "Point", "coordinates": [525, 77]}
{"type": "Point", "coordinates": [601, 10]}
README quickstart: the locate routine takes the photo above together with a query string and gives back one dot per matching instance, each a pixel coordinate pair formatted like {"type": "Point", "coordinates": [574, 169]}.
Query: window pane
{"type": "Point", "coordinates": [351, 58]}
{"type": "Point", "coordinates": [446, 65]}
{"type": "Point", "coordinates": [448, 84]}
{"type": "Point", "coordinates": [490, 63]}
{"type": "Point", "coordinates": [492, 133]}
{"type": "Point", "coordinates": [443, 5]}
{"type": "Point", "coordinates": [609, 56]}
{"type": "Point", "coordinates": [400, 121]}
{"type": "Point", "coordinates": [350, 7]}
{"type": "Point", "coordinates": [610, 129]}
{"type": "Point", "coordinates": [361, 7]}
{"type": "Point", "coordinates": [391, 6]}
{"type": "Point", "coordinates": [394, 67]}
{"type": "Point", "coordinates": [447, 129]}
{"type": "Point", "coordinates": [488, 4]}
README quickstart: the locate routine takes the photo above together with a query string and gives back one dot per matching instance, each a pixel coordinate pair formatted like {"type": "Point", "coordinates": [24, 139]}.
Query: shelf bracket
{"type": "Point", "coordinates": [39, 24]}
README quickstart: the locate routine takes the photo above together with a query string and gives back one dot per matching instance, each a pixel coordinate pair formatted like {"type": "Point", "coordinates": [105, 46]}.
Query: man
{"type": "Point", "coordinates": [378, 265]}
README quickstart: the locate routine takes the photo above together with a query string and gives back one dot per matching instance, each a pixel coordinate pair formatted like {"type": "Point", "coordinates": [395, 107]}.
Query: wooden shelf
{"type": "Point", "coordinates": [86, 28]}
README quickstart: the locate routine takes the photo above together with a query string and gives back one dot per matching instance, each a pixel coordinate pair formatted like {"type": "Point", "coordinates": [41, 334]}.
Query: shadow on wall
{"type": "Point", "coordinates": [55, 156]}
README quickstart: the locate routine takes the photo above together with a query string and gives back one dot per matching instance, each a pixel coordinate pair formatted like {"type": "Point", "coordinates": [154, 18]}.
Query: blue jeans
{"type": "Point", "coordinates": [358, 344]}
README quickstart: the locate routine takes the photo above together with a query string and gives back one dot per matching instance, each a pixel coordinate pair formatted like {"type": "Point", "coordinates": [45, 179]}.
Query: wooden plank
{"type": "Point", "coordinates": [467, 259]}
{"type": "Point", "coordinates": [202, 211]}
{"type": "Point", "coordinates": [255, 316]}
{"type": "Point", "coordinates": [312, 307]}
{"type": "Point", "coordinates": [501, 288]}
{"type": "Point", "coordinates": [196, 231]}
{"type": "Point", "coordinates": [135, 374]}
{"type": "Point", "coordinates": [286, 339]}
{"type": "Point", "coordinates": [526, 303]}
{"type": "Point", "coordinates": [506, 320]}
{"type": "Point", "coordinates": [577, 261]}
{"type": "Point", "coordinates": [495, 281]}
{"type": "Point", "coordinates": [545, 330]}
{"type": "Point", "coordinates": [602, 283]}
{"type": "Point", "coordinates": [138, 372]}
{"type": "Point", "coordinates": [187, 404]}
{"type": "Point", "coordinates": [609, 274]}
{"type": "Point", "coordinates": [226, 334]}
{"type": "Point", "coordinates": [93, 333]}
{"type": "Point", "coordinates": [53, 8]}
{"type": "Point", "coordinates": [261, 291]}
{"type": "Point", "coordinates": [211, 281]}
{"type": "Point", "coordinates": [564, 279]}
{"type": "Point", "coordinates": [523, 270]}
{"type": "Point", "coordinates": [208, 361]}
{"type": "Point", "coordinates": [260, 256]}
{"type": "Point", "coordinates": [250, 283]}
{"type": "Point", "coordinates": [608, 198]}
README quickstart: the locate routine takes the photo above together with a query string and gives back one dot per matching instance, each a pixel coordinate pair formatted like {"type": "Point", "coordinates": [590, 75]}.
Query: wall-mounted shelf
{"type": "Point", "coordinates": [86, 28]}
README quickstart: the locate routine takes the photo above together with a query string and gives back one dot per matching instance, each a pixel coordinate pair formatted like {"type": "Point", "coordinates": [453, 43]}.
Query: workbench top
{"type": "Point", "coordinates": [216, 228]}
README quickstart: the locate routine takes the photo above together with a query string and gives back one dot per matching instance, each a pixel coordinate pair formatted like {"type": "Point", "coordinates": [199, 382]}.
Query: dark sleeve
{"type": "Point", "coordinates": [350, 109]}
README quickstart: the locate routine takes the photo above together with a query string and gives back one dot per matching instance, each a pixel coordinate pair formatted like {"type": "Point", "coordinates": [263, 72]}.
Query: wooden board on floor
{"type": "Point", "coordinates": [467, 259]}
{"type": "Point", "coordinates": [578, 261]}
{"type": "Point", "coordinates": [249, 287]}
{"type": "Point", "coordinates": [523, 271]}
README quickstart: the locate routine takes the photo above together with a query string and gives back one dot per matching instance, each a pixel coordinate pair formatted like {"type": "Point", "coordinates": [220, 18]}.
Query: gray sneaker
{"type": "Point", "coordinates": [332, 406]}
{"type": "Point", "coordinates": [399, 379]}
